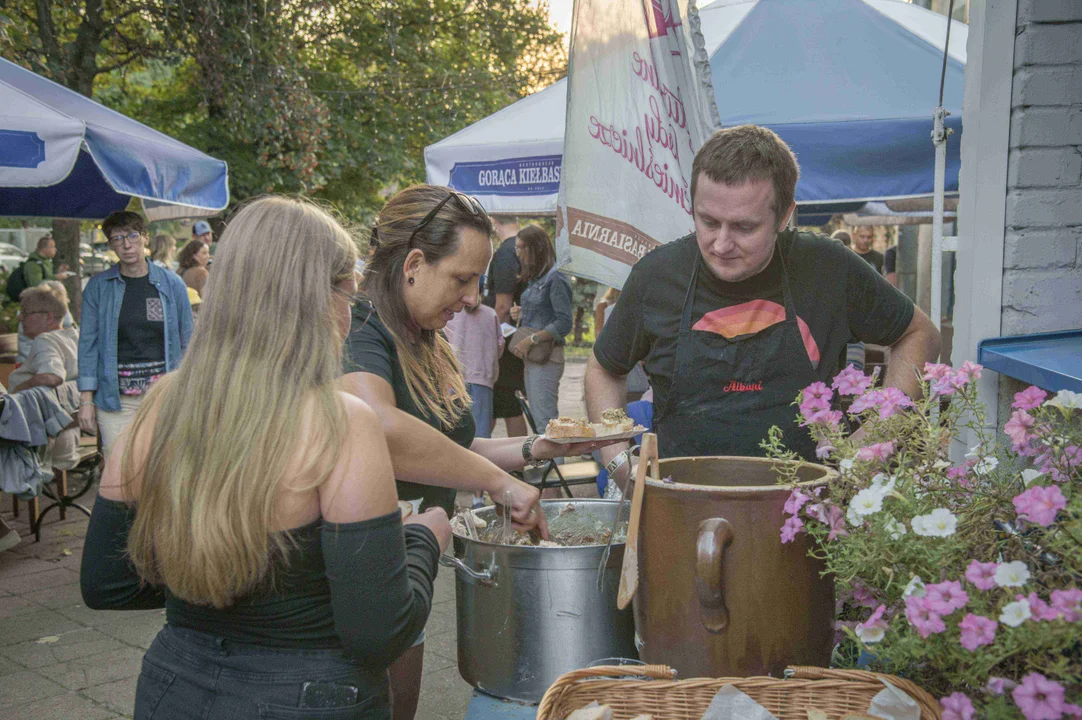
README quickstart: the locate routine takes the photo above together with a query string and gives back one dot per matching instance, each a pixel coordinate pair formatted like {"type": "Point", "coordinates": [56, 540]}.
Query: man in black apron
{"type": "Point", "coordinates": [733, 321]}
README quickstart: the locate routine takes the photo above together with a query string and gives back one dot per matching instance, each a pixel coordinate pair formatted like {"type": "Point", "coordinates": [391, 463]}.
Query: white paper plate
{"type": "Point", "coordinates": [614, 436]}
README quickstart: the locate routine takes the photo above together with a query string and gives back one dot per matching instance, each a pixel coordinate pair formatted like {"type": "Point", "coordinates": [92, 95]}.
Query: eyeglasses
{"type": "Point", "coordinates": [131, 238]}
{"type": "Point", "coordinates": [465, 201]}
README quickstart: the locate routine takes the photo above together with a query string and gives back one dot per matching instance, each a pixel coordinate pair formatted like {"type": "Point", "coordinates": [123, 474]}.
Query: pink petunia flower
{"type": "Point", "coordinates": [971, 370]}
{"type": "Point", "coordinates": [879, 451]}
{"type": "Point", "coordinates": [823, 448]}
{"type": "Point", "coordinates": [945, 597]}
{"type": "Point", "coordinates": [891, 400]}
{"type": "Point", "coordinates": [961, 473]}
{"type": "Point", "coordinates": [1060, 469]}
{"type": "Point", "coordinates": [1072, 710]}
{"type": "Point", "coordinates": [851, 381]}
{"type": "Point", "coordinates": [1020, 427]}
{"type": "Point", "coordinates": [923, 618]}
{"type": "Point", "coordinates": [867, 401]}
{"type": "Point", "coordinates": [1031, 397]}
{"type": "Point", "coordinates": [1038, 608]}
{"type": "Point", "coordinates": [863, 596]}
{"type": "Point", "coordinates": [999, 685]}
{"type": "Point", "coordinates": [977, 631]}
{"type": "Point", "coordinates": [789, 530]}
{"type": "Point", "coordinates": [1040, 504]}
{"type": "Point", "coordinates": [1039, 698]}
{"type": "Point", "coordinates": [936, 371]}
{"type": "Point", "coordinates": [1068, 603]}
{"type": "Point", "coordinates": [981, 575]}
{"type": "Point", "coordinates": [818, 390]}
{"type": "Point", "coordinates": [797, 499]}
{"type": "Point", "coordinates": [957, 706]}
{"type": "Point", "coordinates": [836, 520]}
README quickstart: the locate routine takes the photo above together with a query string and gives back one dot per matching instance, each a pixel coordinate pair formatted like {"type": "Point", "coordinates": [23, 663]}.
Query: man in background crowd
{"type": "Point", "coordinates": [39, 264]}
{"type": "Point", "coordinates": [862, 245]}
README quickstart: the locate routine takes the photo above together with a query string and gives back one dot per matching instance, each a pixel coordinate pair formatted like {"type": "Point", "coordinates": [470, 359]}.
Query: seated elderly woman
{"type": "Point", "coordinates": [53, 359]}
{"type": "Point", "coordinates": [54, 349]}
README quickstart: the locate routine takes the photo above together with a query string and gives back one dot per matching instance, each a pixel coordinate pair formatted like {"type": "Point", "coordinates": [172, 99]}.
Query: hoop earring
{"type": "Point", "coordinates": [411, 280]}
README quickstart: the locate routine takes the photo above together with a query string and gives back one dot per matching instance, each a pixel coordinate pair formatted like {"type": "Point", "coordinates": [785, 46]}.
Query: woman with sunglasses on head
{"type": "Point", "coordinates": [429, 247]}
{"type": "Point", "coordinates": [262, 514]}
{"type": "Point", "coordinates": [136, 322]}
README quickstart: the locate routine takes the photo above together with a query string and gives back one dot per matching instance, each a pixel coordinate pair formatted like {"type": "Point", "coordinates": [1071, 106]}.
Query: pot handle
{"type": "Point", "coordinates": [714, 535]}
{"type": "Point", "coordinates": [486, 577]}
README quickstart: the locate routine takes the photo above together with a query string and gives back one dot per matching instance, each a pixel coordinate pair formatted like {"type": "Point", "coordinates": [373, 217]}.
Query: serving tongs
{"type": "Point", "coordinates": [616, 463]}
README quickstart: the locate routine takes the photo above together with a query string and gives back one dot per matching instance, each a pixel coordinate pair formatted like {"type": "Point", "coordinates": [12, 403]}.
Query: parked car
{"type": "Point", "coordinates": [94, 260]}
{"type": "Point", "coordinates": [11, 256]}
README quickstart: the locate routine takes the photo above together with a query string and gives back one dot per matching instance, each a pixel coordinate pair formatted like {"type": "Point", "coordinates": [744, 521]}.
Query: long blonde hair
{"type": "Point", "coordinates": [433, 375]}
{"type": "Point", "coordinates": [266, 352]}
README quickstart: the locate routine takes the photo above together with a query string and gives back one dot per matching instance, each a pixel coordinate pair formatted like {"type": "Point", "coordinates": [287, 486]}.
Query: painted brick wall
{"type": "Point", "coordinates": [1042, 255]}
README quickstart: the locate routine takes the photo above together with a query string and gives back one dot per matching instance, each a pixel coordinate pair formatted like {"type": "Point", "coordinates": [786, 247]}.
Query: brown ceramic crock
{"type": "Point", "coordinates": [719, 594]}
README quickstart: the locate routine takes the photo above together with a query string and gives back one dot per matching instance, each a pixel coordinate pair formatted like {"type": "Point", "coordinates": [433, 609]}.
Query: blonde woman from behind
{"type": "Point", "coordinates": [261, 511]}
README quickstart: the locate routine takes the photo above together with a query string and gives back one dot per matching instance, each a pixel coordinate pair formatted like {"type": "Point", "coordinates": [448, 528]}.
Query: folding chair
{"type": "Point", "coordinates": [579, 473]}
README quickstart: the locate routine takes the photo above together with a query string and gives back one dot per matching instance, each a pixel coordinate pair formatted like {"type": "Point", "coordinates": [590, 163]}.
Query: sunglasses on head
{"type": "Point", "coordinates": [466, 202]}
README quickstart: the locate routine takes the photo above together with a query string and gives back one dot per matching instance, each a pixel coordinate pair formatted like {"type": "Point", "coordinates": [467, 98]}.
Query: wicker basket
{"type": "Point", "coordinates": [653, 691]}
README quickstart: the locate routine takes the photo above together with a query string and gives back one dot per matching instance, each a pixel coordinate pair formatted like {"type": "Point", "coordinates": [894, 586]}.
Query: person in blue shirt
{"type": "Point", "coordinates": [136, 323]}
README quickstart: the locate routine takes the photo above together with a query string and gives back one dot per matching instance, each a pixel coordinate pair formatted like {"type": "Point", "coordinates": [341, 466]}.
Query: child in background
{"type": "Point", "coordinates": [478, 343]}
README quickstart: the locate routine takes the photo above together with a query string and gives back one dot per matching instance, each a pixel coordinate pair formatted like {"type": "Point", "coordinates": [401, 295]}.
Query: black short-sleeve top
{"type": "Point", "coordinates": [370, 348]}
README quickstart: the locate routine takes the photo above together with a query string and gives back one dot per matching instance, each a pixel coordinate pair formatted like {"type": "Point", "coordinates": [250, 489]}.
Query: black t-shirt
{"type": "Point", "coordinates": [873, 258]}
{"type": "Point", "coordinates": [890, 260]}
{"type": "Point", "coordinates": [370, 348]}
{"type": "Point", "coordinates": [140, 337]}
{"type": "Point", "coordinates": [503, 278]}
{"type": "Point", "coordinates": [837, 297]}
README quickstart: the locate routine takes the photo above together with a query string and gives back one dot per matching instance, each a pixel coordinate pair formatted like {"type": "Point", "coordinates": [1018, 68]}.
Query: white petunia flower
{"type": "Point", "coordinates": [883, 483]}
{"type": "Point", "coordinates": [1015, 613]}
{"type": "Point", "coordinates": [1066, 400]}
{"type": "Point", "coordinates": [915, 587]}
{"type": "Point", "coordinates": [1028, 476]}
{"type": "Point", "coordinates": [986, 465]}
{"type": "Point", "coordinates": [868, 501]}
{"type": "Point", "coordinates": [1012, 574]}
{"type": "Point", "coordinates": [870, 635]}
{"type": "Point", "coordinates": [941, 465]}
{"type": "Point", "coordinates": [895, 529]}
{"type": "Point", "coordinates": [938, 523]}
{"type": "Point", "coordinates": [846, 465]}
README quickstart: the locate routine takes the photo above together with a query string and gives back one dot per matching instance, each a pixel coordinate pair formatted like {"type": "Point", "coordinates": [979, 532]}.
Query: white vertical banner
{"type": "Point", "coordinates": [639, 105]}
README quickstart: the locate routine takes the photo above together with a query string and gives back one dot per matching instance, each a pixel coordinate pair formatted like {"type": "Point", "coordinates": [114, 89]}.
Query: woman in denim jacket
{"type": "Point", "coordinates": [546, 308]}
{"type": "Point", "coordinates": [136, 324]}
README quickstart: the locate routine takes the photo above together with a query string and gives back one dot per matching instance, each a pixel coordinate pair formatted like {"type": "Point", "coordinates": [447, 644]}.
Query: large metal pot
{"type": "Point", "coordinates": [719, 595]}
{"type": "Point", "coordinates": [527, 615]}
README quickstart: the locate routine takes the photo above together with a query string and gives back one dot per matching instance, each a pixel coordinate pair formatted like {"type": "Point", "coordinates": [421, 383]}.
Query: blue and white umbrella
{"type": "Point", "coordinates": [64, 155]}
{"type": "Point", "coordinates": [849, 84]}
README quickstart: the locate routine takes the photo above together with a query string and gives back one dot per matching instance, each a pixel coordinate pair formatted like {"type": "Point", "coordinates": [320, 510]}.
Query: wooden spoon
{"type": "Point", "coordinates": [629, 575]}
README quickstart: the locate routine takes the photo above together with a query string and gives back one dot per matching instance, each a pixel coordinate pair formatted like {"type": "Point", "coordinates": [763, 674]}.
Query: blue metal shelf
{"type": "Point", "coordinates": [1052, 361]}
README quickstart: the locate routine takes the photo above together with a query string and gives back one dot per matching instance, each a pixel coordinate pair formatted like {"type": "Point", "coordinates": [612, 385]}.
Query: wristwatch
{"type": "Point", "coordinates": [533, 339]}
{"type": "Point", "coordinates": [527, 451]}
{"type": "Point", "coordinates": [620, 460]}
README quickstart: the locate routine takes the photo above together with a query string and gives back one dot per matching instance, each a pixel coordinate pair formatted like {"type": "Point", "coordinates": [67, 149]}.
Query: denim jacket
{"type": "Point", "coordinates": [546, 305]}
{"type": "Point", "coordinates": [102, 299]}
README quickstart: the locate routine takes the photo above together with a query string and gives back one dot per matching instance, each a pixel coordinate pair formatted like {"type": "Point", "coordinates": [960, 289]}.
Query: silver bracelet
{"type": "Point", "coordinates": [620, 460]}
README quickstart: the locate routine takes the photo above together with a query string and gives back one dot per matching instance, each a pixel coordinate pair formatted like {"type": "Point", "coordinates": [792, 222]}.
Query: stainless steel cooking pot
{"type": "Point", "coordinates": [526, 615]}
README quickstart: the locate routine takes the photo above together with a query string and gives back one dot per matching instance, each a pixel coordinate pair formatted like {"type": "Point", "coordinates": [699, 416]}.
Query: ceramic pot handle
{"type": "Point", "coordinates": [714, 535]}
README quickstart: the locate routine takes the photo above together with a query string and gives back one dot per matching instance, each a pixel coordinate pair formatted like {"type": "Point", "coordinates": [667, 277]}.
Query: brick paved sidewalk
{"type": "Point", "coordinates": [60, 660]}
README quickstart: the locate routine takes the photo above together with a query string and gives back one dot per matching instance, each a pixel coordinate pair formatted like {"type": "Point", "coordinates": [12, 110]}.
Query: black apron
{"type": "Point", "coordinates": [726, 394]}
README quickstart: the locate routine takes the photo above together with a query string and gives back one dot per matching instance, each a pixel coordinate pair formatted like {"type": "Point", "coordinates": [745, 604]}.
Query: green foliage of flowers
{"type": "Point", "coordinates": [966, 579]}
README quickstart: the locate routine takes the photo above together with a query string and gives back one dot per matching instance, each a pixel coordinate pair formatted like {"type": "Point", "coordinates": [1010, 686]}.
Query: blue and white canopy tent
{"type": "Point", "coordinates": [64, 155]}
{"type": "Point", "coordinates": [849, 84]}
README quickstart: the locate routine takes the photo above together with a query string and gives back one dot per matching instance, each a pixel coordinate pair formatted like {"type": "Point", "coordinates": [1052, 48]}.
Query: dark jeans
{"type": "Point", "coordinates": [188, 674]}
